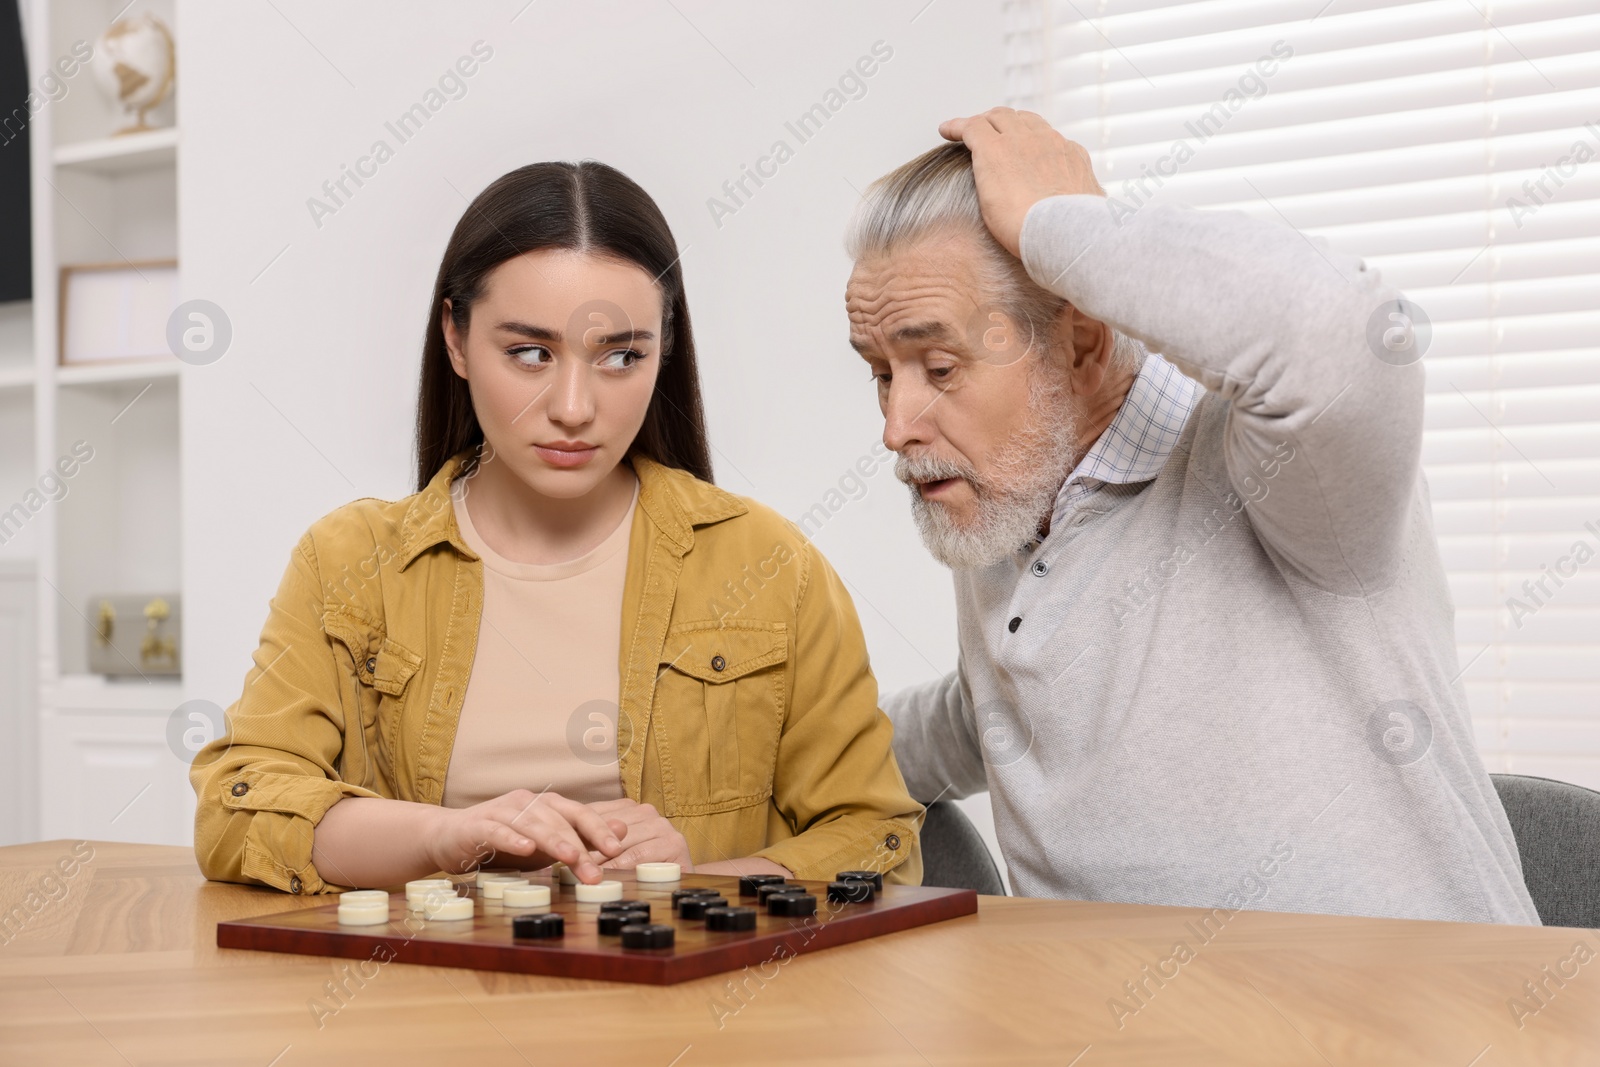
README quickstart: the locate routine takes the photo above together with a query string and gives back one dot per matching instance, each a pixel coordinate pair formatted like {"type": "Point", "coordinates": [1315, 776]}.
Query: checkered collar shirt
{"type": "Point", "coordinates": [1140, 438]}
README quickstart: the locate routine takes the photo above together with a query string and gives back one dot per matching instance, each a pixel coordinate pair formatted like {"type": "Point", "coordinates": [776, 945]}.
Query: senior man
{"type": "Point", "coordinates": [1206, 644]}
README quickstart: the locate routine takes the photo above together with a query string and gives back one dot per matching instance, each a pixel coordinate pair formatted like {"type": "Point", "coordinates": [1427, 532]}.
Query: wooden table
{"type": "Point", "coordinates": [121, 967]}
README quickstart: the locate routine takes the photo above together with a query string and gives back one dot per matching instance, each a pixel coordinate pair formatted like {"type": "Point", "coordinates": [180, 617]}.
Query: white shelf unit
{"type": "Point", "coordinates": [16, 377]}
{"type": "Point", "coordinates": [118, 373]}
{"type": "Point", "coordinates": [103, 768]}
{"type": "Point", "coordinates": [149, 150]}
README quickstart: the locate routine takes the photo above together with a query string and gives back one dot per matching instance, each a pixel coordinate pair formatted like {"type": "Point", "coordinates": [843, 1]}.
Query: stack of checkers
{"type": "Point", "coordinates": [616, 914]}
{"type": "Point", "coordinates": [709, 906]}
{"type": "Point", "coordinates": [630, 920]}
{"type": "Point", "coordinates": [783, 898]}
{"type": "Point", "coordinates": [539, 925]}
{"type": "Point", "coordinates": [363, 907]}
{"type": "Point", "coordinates": [437, 899]}
{"type": "Point", "coordinates": [788, 899]}
{"type": "Point", "coordinates": [493, 886]}
{"type": "Point", "coordinates": [513, 889]}
{"type": "Point", "coordinates": [855, 887]}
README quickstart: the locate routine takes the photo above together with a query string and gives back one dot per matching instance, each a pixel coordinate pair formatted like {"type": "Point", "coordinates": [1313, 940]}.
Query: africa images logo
{"type": "Point", "coordinates": [1399, 732]}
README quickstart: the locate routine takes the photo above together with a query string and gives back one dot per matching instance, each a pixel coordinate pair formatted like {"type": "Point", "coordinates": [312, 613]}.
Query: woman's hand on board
{"type": "Point", "coordinates": [545, 827]}
{"type": "Point", "coordinates": [649, 837]}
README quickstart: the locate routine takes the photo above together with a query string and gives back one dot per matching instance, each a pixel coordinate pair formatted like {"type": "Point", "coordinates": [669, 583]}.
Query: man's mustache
{"type": "Point", "coordinates": [915, 469]}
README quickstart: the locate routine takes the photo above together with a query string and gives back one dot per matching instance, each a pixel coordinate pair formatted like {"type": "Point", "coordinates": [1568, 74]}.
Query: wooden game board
{"type": "Point", "coordinates": [485, 943]}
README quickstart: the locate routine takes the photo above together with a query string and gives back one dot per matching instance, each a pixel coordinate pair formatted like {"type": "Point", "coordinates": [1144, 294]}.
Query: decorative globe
{"type": "Point", "coordinates": [134, 65]}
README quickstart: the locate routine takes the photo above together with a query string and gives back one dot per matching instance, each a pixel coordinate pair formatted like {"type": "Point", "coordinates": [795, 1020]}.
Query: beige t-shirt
{"type": "Point", "coordinates": [540, 711]}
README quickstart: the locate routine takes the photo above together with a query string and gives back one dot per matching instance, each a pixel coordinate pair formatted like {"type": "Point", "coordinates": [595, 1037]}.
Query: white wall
{"type": "Point", "coordinates": [313, 403]}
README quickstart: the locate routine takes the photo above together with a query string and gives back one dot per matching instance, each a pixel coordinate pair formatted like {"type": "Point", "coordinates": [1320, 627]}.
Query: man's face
{"type": "Point", "coordinates": [969, 398]}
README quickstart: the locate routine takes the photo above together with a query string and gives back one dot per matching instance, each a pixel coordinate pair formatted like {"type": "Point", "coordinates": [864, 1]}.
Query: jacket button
{"type": "Point", "coordinates": [294, 883]}
{"type": "Point", "coordinates": [1041, 568]}
{"type": "Point", "coordinates": [718, 663]}
{"type": "Point", "coordinates": [892, 842]}
{"type": "Point", "coordinates": [372, 664]}
{"type": "Point", "coordinates": [1014, 623]}
{"type": "Point", "coordinates": [240, 788]}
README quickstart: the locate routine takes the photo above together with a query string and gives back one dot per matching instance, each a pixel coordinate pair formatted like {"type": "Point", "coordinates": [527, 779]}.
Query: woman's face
{"type": "Point", "coordinates": [561, 357]}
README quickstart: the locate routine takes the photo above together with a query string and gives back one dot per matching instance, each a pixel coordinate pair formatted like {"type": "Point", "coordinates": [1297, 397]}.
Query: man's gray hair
{"type": "Point", "coordinates": [934, 193]}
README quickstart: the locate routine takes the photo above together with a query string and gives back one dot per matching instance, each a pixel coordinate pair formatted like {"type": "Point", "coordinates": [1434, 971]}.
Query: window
{"type": "Point", "coordinates": [1455, 145]}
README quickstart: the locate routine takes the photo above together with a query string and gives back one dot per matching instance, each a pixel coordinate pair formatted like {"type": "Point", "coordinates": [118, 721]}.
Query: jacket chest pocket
{"type": "Point", "coordinates": [719, 712]}
{"type": "Point", "coordinates": [378, 683]}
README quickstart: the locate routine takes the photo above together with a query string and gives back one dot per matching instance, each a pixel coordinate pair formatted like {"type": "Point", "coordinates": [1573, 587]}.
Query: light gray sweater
{"type": "Point", "coordinates": [1233, 684]}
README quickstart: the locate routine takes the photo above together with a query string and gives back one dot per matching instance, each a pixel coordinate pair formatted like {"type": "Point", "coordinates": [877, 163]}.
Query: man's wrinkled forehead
{"type": "Point", "coordinates": [901, 299]}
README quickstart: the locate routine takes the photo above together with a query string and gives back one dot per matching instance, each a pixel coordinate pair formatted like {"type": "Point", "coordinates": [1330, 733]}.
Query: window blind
{"type": "Point", "coordinates": [1455, 145]}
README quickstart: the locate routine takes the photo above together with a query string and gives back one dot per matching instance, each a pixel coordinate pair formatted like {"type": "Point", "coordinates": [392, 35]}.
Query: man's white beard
{"type": "Point", "coordinates": [1012, 502]}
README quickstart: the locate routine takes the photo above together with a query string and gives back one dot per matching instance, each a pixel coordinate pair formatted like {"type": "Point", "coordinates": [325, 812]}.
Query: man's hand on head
{"type": "Point", "coordinates": [1017, 161]}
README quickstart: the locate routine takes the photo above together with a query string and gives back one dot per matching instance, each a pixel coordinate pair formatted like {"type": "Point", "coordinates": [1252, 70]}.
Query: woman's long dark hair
{"type": "Point", "coordinates": [587, 207]}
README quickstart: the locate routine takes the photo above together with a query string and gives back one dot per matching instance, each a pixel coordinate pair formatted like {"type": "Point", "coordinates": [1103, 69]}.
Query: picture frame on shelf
{"type": "Point", "coordinates": [116, 312]}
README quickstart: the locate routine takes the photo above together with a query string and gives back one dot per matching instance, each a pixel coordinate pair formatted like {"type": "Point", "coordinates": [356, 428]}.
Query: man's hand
{"type": "Point", "coordinates": [1017, 161]}
{"type": "Point", "coordinates": [648, 836]}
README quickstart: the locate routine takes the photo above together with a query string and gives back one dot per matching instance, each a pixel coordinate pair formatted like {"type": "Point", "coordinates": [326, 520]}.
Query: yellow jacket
{"type": "Point", "coordinates": [748, 716]}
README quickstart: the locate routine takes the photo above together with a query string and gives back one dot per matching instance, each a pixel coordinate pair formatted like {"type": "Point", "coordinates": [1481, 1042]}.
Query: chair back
{"type": "Point", "coordinates": [954, 855]}
{"type": "Point", "coordinates": [1557, 827]}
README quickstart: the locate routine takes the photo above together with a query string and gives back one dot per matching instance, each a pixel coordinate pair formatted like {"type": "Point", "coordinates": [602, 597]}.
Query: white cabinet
{"type": "Point", "coordinates": [109, 772]}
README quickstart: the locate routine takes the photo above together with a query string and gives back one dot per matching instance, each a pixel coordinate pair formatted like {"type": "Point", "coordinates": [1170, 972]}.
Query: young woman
{"type": "Point", "coordinates": [568, 645]}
